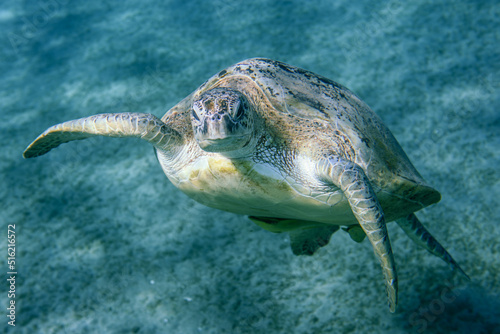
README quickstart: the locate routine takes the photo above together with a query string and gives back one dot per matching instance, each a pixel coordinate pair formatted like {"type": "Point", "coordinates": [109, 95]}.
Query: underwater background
{"type": "Point", "coordinates": [106, 244]}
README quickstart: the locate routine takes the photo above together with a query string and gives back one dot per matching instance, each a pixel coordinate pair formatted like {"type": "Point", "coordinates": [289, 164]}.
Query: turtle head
{"type": "Point", "coordinates": [222, 120]}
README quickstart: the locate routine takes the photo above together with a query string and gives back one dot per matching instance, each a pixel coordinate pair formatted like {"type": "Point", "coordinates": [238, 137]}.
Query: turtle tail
{"type": "Point", "coordinates": [144, 126]}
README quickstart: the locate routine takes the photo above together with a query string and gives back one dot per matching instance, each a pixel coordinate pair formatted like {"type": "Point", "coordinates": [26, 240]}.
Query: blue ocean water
{"type": "Point", "coordinates": [104, 243]}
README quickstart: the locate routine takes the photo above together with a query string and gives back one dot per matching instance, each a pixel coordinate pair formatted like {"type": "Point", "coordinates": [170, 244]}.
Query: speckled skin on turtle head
{"type": "Point", "coordinates": [293, 150]}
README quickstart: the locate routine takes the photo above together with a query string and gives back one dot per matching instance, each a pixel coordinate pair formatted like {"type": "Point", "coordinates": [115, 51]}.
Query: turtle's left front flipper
{"type": "Point", "coordinates": [353, 182]}
{"type": "Point", "coordinates": [419, 234]}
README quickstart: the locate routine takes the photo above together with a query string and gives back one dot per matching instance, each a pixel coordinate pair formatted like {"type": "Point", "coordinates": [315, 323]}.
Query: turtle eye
{"type": "Point", "coordinates": [195, 115]}
{"type": "Point", "coordinates": [240, 111]}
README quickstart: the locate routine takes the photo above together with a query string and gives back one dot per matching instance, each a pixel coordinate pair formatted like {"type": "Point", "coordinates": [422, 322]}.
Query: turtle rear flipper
{"type": "Point", "coordinates": [308, 241]}
{"type": "Point", "coordinates": [419, 234]}
{"type": "Point", "coordinates": [355, 232]}
{"type": "Point", "coordinates": [306, 237]}
{"type": "Point", "coordinates": [144, 126]}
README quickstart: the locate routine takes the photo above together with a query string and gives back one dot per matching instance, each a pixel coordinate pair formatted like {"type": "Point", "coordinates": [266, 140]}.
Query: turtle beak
{"type": "Point", "coordinates": [228, 143]}
{"type": "Point", "coordinates": [216, 129]}
{"type": "Point", "coordinates": [219, 135]}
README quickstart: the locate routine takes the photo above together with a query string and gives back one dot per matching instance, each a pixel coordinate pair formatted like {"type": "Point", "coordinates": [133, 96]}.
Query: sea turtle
{"type": "Point", "coordinates": [293, 150]}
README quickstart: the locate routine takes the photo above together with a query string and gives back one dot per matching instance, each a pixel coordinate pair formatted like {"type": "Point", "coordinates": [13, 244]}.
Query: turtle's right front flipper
{"type": "Point", "coordinates": [144, 126]}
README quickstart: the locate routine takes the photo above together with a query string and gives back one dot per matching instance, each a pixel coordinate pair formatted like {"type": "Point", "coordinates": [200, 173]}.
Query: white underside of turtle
{"type": "Point", "coordinates": [295, 151]}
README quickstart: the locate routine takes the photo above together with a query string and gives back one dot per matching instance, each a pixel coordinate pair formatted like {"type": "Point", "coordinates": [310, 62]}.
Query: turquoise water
{"type": "Point", "coordinates": [104, 243]}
